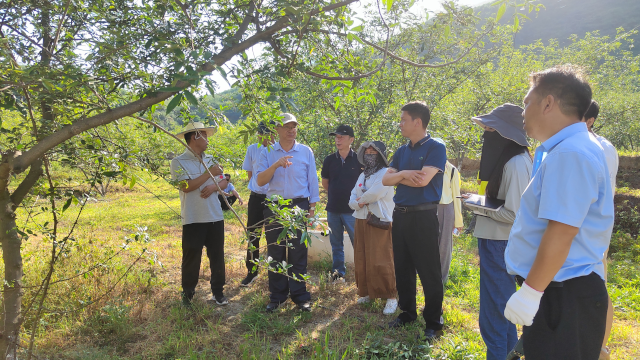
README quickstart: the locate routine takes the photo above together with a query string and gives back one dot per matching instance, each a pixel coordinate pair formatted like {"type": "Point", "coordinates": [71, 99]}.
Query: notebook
{"type": "Point", "coordinates": [482, 202]}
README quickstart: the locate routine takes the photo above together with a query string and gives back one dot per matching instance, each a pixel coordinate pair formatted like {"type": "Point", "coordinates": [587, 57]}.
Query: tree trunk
{"type": "Point", "coordinates": [12, 300]}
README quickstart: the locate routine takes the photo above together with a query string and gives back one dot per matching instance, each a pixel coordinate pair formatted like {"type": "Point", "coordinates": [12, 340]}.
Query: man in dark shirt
{"type": "Point", "coordinates": [340, 173]}
{"type": "Point", "coordinates": [416, 170]}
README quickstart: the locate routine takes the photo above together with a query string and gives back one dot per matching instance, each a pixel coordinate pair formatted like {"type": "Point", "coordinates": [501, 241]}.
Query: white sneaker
{"type": "Point", "coordinates": [363, 300]}
{"type": "Point", "coordinates": [390, 308]}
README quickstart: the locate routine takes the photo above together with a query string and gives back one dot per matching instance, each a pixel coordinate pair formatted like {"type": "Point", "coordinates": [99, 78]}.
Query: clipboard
{"type": "Point", "coordinates": [482, 202]}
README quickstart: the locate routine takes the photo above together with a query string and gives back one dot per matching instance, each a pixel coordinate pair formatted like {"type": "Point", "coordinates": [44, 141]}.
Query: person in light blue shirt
{"type": "Point", "coordinates": [289, 168]}
{"type": "Point", "coordinates": [563, 227]}
{"type": "Point", "coordinates": [256, 206]}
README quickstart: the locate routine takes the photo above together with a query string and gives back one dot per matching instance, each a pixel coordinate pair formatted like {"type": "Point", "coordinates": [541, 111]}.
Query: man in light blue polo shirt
{"type": "Point", "coordinates": [563, 226]}
{"type": "Point", "coordinates": [256, 206]}
{"type": "Point", "coordinates": [289, 169]}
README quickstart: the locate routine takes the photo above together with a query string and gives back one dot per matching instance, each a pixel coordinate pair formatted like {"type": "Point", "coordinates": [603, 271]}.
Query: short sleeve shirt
{"type": "Point", "coordinates": [342, 175]}
{"type": "Point", "coordinates": [193, 208]}
{"type": "Point", "coordinates": [250, 163]}
{"type": "Point", "coordinates": [426, 152]}
{"type": "Point", "coordinates": [611, 155]}
{"type": "Point", "coordinates": [229, 188]}
{"type": "Point", "coordinates": [571, 186]}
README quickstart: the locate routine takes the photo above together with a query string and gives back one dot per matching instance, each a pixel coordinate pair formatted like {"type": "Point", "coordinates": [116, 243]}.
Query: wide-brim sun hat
{"type": "Point", "coordinates": [197, 126]}
{"type": "Point", "coordinates": [507, 120]}
{"type": "Point", "coordinates": [379, 146]}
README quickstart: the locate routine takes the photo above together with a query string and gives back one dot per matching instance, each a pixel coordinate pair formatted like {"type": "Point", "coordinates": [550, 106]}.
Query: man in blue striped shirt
{"type": "Point", "coordinates": [289, 168]}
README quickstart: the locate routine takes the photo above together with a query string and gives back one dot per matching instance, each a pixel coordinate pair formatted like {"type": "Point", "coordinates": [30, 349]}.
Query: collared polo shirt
{"type": "Point", "coordinates": [193, 208]}
{"type": "Point", "coordinates": [299, 180]}
{"type": "Point", "coordinates": [342, 175]}
{"type": "Point", "coordinates": [250, 163]}
{"type": "Point", "coordinates": [426, 152]}
{"type": "Point", "coordinates": [611, 155]}
{"type": "Point", "coordinates": [571, 185]}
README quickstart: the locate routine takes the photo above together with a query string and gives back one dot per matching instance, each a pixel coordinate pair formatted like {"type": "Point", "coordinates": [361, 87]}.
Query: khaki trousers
{"type": "Point", "coordinates": [373, 256]}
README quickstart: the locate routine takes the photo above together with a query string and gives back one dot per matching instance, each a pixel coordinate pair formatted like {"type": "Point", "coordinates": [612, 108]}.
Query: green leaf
{"type": "Point", "coordinates": [173, 103]}
{"type": "Point", "coordinates": [358, 28]}
{"type": "Point", "coordinates": [447, 31]}
{"type": "Point", "coordinates": [516, 24]}
{"type": "Point", "coordinates": [501, 11]}
{"type": "Point", "coordinates": [133, 182]}
{"type": "Point", "coordinates": [358, 39]}
{"type": "Point", "coordinates": [192, 99]}
{"type": "Point", "coordinates": [389, 4]}
{"type": "Point", "coordinates": [67, 204]}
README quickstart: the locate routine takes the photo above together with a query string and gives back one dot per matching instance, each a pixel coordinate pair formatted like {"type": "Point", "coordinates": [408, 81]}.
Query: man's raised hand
{"type": "Point", "coordinates": [284, 162]}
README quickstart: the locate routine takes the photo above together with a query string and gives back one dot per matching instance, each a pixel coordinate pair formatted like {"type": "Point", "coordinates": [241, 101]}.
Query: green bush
{"type": "Point", "coordinates": [625, 246]}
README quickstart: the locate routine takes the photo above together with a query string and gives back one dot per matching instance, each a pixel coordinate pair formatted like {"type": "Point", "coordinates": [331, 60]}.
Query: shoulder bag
{"type": "Point", "coordinates": [374, 220]}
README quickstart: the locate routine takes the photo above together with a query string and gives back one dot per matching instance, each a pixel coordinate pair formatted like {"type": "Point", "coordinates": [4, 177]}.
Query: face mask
{"type": "Point", "coordinates": [370, 163]}
{"type": "Point", "coordinates": [493, 145]}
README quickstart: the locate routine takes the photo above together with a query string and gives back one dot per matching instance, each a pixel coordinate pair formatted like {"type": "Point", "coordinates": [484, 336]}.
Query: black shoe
{"type": "Point", "coordinates": [337, 278]}
{"type": "Point", "coordinates": [398, 323]}
{"type": "Point", "coordinates": [249, 279]}
{"type": "Point", "coordinates": [219, 299]}
{"type": "Point", "coordinates": [272, 306]}
{"type": "Point", "coordinates": [187, 299]}
{"type": "Point", "coordinates": [430, 335]}
{"type": "Point", "coordinates": [304, 306]}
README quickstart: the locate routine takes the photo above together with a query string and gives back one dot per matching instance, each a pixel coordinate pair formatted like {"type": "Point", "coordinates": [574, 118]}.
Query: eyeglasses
{"type": "Point", "coordinates": [289, 128]}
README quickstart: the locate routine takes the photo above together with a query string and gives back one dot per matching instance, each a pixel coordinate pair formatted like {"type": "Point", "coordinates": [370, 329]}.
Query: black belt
{"type": "Point", "coordinates": [520, 280]}
{"type": "Point", "coordinates": [258, 195]}
{"type": "Point", "coordinates": [298, 200]}
{"type": "Point", "coordinates": [421, 207]}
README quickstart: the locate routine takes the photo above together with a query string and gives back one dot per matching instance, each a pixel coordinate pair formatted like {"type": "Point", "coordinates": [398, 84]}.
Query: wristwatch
{"type": "Point", "coordinates": [312, 208]}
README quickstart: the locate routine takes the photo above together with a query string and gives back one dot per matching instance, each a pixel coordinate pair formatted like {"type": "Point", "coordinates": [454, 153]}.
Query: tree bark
{"type": "Point", "coordinates": [12, 300]}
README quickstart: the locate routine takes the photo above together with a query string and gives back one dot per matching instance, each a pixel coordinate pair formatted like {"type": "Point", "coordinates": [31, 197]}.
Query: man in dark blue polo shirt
{"type": "Point", "coordinates": [416, 170]}
{"type": "Point", "coordinates": [340, 172]}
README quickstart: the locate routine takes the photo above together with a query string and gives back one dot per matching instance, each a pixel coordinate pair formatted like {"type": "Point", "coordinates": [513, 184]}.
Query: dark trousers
{"type": "Point", "coordinates": [255, 217]}
{"type": "Point", "coordinates": [280, 286]}
{"type": "Point", "coordinates": [231, 199]}
{"type": "Point", "coordinates": [194, 237]}
{"type": "Point", "coordinates": [570, 322]}
{"type": "Point", "coordinates": [415, 249]}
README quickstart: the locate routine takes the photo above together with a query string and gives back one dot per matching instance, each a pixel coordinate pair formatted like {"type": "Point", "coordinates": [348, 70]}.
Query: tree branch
{"type": "Point", "coordinates": [245, 23]}
{"type": "Point", "coordinates": [35, 171]}
{"type": "Point", "coordinates": [23, 161]}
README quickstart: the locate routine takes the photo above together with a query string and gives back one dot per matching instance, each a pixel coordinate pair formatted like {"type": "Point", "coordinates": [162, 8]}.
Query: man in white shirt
{"type": "Point", "coordinates": [611, 157]}
{"type": "Point", "coordinates": [202, 219]}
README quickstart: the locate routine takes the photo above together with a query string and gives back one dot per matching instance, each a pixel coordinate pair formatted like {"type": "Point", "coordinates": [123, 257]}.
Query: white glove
{"type": "Point", "coordinates": [523, 305]}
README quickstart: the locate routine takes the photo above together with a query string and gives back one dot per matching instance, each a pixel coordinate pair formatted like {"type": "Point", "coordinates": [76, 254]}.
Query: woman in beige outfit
{"type": "Point", "coordinates": [373, 250]}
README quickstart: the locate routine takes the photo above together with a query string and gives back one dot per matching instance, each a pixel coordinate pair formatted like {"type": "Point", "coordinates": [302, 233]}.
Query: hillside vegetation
{"type": "Point", "coordinates": [563, 18]}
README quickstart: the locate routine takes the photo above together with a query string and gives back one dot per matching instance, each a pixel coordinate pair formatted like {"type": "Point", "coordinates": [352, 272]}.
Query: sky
{"type": "Point", "coordinates": [418, 8]}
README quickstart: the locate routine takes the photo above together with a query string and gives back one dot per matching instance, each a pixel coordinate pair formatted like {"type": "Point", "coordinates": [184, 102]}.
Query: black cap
{"type": "Point", "coordinates": [264, 129]}
{"type": "Point", "coordinates": [343, 130]}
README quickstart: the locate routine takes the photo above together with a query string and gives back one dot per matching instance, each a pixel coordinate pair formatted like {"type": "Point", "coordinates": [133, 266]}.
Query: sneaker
{"type": "Point", "coordinates": [605, 353]}
{"type": "Point", "coordinates": [337, 278]}
{"type": "Point", "coordinates": [251, 277]}
{"type": "Point", "coordinates": [390, 307]}
{"type": "Point", "coordinates": [219, 299]}
{"type": "Point", "coordinates": [363, 300]}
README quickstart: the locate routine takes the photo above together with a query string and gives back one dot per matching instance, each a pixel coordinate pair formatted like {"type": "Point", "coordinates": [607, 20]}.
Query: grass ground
{"type": "Point", "coordinates": [122, 302]}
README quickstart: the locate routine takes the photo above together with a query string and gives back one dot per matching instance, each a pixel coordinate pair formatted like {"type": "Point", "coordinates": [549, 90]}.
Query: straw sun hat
{"type": "Point", "coordinates": [193, 126]}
